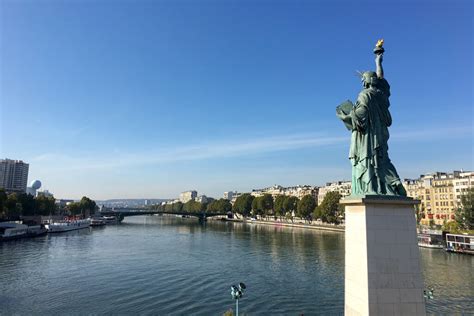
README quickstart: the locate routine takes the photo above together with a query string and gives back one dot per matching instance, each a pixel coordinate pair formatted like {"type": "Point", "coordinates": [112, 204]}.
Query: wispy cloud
{"type": "Point", "coordinates": [231, 148]}
{"type": "Point", "coordinates": [202, 151]}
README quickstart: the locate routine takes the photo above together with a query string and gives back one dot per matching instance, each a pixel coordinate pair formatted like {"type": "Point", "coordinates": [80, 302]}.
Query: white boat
{"type": "Point", "coordinates": [430, 241]}
{"type": "Point", "coordinates": [9, 231]}
{"type": "Point", "coordinates": [460, 243]}
{"type": "Point", "coordinates": [97, 222]}
{"type": "Point", "coordinates": [110, 220]}
{"type": "Point", "coordinates": [37, 230]}
{"type": "Point", "coordinates": [59, 227]}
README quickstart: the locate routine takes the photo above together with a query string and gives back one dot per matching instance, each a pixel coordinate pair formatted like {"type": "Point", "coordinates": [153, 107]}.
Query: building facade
{"type": "Point", "coordinates": [462, 184]}
{"type": "Point", "coordinates": [298, 191]}
{"type": "Point", "coordinates": [13, 175]}
{"type": "Point", "coordinates": [187, 196]}
{"type": "Point", "coordinates": [229, 195]}
{"type": "Point", "coordinates": [201, 199]}
{"type": "Point", "coordinates": [440, 194]}
{"type": "Point", "coordinates": [343, 187]}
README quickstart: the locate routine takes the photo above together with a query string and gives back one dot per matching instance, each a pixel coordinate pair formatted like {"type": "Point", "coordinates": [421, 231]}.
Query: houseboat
{"type": "Point", "coordinates": [10, 231]}
{"type": "Point", "coordinates": [430, 238]}
{"type": "Point", "coordinates": [460, 243]}
{"type": "Point", "coordinates": [67, 225]}
{"type": "Point", "coordinates": [96, 222]}
{"type": "Point", "coordinates": [36, 231]}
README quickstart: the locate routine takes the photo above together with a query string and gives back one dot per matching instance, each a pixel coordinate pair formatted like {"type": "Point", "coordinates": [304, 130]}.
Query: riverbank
{"type": "Point", "coordinates": [285, 224]}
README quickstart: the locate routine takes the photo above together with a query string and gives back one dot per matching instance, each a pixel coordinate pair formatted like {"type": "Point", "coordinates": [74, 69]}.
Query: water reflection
{"type": "Point", "coordinates": [168, 265]}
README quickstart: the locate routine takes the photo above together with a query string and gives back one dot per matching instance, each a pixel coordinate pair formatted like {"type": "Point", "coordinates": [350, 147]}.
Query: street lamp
{"type": "Point", "coordinates": [428, 293]}
{"type": "Point", "coordinates": [237, 292]}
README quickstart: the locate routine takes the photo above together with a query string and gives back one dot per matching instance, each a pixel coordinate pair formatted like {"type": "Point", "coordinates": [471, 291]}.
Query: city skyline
{"type": "Point", "coordinates": [222, 97]}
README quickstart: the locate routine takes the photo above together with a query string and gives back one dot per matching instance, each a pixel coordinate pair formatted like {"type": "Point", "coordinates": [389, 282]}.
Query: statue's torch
{"type": "Point", "coordinates": [378, 50]}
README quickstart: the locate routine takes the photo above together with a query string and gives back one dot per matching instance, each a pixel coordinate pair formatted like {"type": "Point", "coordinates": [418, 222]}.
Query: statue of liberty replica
{"type": "Point", "coordinates": [372, 171]}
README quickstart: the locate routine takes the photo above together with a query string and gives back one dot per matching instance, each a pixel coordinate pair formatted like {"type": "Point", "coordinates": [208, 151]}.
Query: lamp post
{"type": "Point", "coordinates": [237, 292]}
{"type": "Point", "coordinates": [428, 293]}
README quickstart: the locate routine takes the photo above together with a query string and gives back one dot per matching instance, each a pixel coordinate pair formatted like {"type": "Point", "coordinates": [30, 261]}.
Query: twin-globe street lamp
{"type": "Point", "coordinates": [237, 292]}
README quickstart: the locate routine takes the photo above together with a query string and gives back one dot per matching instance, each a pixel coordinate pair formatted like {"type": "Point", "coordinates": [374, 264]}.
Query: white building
{"type": "Point", "coordinates": [298, 191]}
{"type": "Point", "coordinates": [45, 193]}
{"type": "Point", "coordinates": [343, 187]}
{"type": "Point", "coordinates": [187, 196]}
{"type": "Point", "coordinates": [230, 195]}
{"type": "Point", "coordinates": [201, 199]}
{"type": "Point", "coordinates": [461, 184]}
{"type": "Point", "coordinates": [13, 175]}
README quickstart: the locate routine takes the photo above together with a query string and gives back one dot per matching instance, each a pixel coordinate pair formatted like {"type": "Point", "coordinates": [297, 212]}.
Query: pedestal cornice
{"type": "Point", "coordinates": [378, 199]}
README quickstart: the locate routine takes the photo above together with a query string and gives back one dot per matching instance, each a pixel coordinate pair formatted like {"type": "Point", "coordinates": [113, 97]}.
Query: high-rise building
{"type": "Point", "coordinates": [13, 175]}
{"type": "Point", "coordinates": [187, 196]}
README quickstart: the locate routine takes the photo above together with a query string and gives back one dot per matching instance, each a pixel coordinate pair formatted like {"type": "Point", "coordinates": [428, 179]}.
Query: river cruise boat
{"type": "Point", "coordinates": [460, 243]}
{"type": "Point", "coordinates": [10, 231]}
{"type": "Point", "coordinates": [430, 241]}
{"type": "Point", "coordinates": [110, 220]}
{"type": "Point", "coordinates": [96, 222]}
{"type": "Point", "coordinates": [36, 231]}
{"type": "Point", "coordinates": [68, 225]}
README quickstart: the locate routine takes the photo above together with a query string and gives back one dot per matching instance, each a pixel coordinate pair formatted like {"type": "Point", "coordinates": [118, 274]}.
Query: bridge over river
{"type": "Point", "coordinates": [122, 212]}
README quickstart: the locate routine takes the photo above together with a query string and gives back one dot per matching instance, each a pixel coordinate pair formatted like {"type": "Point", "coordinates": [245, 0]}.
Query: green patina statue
{"type": "Point", "coordinates": [372, 171]}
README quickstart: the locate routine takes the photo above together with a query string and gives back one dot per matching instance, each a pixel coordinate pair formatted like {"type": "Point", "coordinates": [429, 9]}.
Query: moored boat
{"type": "Point", "coordinates": [10, 231]}
{"type": "Point", "coordinates": [430, 241]}
{"type": "Point", "coordinates": [110, 220]}
{"type": "Point", "coordinates": [68, 225]}
{"type": "Point", "coordinates": [96, 222]}
{"type": "Point", "coordinates": [36, 231]}
{"type": "Point", "coordinates": [460, 243]}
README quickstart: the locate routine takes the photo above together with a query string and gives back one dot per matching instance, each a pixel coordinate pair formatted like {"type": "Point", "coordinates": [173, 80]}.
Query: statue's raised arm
{"type": "Point", "coordinates": [378, 51]}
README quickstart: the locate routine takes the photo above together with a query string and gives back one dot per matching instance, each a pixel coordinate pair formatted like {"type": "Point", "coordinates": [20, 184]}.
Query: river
{"type": "Point", "coordinates": [168, 265]}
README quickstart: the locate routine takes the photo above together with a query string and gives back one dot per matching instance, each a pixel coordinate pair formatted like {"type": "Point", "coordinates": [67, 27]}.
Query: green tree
{"type": "Point", "coordinates": [73, 208]}
{"type": "Point", "coordinates": [168, 208]}
{"type": "Point", "coordinates": [330, 210]}
{"type": "Point", "coordinates": [12, 206]}
{"type": "Point", "coordinates": [279, 205]}
{"type": "Point", "coordinates": [305, 207]}
{"type": "Point", "coordinates": [464, 215]}
{"type": "Point", "coordinates": [257, 208]}
{"type": "Point", "coordinates": [451, 226]}
{"type": "Point", "coordinates": [188, 206]}
{"type": "Point", "coordinates": [28, 204]}
{"type": "Point", "coordinates": [3, 200]}
{"type": "Point", "coordinates": [178, 207]}
{"type": "Point", "coordinates": [219, 206]}
{"type": "Point", "coordinates": [87, 206]}
{"type": "Point", "coordinates": [267, 204]}
{"type": "Point", "coordinates": [290, 205]}
{"type": "Point", "coordinates": [243, 204]}
{"type": "Point", "coordinates": [192, 207]}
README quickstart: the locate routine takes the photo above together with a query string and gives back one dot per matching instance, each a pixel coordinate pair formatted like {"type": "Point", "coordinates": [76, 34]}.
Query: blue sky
{"type": "Point", "coordinates": [134, 99]}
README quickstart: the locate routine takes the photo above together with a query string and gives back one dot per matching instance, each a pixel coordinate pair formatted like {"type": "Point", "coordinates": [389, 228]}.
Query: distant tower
{"type": "Point", "coordinates": [34, 186]}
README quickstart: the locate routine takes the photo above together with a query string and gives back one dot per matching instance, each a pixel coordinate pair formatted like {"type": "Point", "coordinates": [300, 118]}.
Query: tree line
{"type": "Point", "coordinates": [211, 206]}
{"type": "Point", "coordinates": [14, 205]}
{"type": "Point", "coordinates": [282, 207]}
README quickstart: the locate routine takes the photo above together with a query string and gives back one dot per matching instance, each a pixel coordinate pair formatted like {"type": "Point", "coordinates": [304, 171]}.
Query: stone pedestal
{"type": "Point", "coordinates": [382, 264]}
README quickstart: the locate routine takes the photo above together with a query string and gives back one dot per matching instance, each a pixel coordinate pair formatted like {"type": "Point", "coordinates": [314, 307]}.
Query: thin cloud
{"type": "Point", "coordinates": [215, 150]}
{"type": "Point", "coordinates": [189, 153]}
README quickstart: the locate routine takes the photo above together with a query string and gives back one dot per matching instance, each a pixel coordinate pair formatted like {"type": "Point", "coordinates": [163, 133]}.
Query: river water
{"type": "Point", "coordinates": [168, 265]}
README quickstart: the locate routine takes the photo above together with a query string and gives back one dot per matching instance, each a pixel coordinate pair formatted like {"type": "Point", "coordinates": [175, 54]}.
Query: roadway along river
{"type": "Point", "coordinates": [168, 265]}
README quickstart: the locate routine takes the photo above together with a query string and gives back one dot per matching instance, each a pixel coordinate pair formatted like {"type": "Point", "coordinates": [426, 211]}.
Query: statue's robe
{"type": "Point", "coordinates": [372, 170]}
